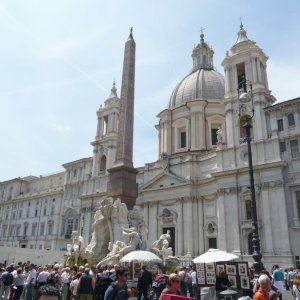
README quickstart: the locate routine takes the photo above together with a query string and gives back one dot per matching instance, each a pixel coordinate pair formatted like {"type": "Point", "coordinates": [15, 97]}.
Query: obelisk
{"type": "Point", "coordinates": [122, 176]}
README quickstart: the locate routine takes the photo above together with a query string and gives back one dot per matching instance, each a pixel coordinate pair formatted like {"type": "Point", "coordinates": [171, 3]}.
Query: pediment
{"type": "Point", "coordinates": [164, 180]}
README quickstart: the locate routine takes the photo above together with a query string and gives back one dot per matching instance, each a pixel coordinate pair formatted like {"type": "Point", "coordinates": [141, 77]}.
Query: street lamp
{"type": "Point", "coordinates": [246, 113]}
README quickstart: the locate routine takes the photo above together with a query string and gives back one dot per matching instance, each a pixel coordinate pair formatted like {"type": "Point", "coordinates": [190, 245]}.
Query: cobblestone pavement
{"type": "Point", "coordinates": [287, 295]}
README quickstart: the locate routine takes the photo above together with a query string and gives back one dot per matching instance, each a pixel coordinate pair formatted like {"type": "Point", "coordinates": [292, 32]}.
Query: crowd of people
{"type": "Point", "coordinates": [30, 282]}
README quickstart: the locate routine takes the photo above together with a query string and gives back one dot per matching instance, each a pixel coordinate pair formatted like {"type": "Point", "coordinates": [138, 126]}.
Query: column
{"type": "Point", "coordinates": [258, 121]}
{"type": "Point", "coordinates": [254, 72]}
{"type": "Point", "coordinates": [196, 229]}
{"type": "Point", "coordinates": [153, 222]}
{"type": "Point", "coordinates": [229, 127]}
{"type": "Point", "coordinates": [188, 225]}
{"type": "Point", "coordinates": [234, 78]}
{"type": "Point", "coordinates": [146, 219]}
{"type": "Point", "coordinates": [98, 133]}
{"type": "Point", "coordinates": [265, 216]}
{"type": "Point", "coordinates": [179, 228]}
{"type": "Point", "coordinates": [193, 131]}
{"type": "Point", "coordinates": [201, 131]}
{"type": "Point", "coordinates": [221, 219]}
{"type": "Point", "coordinates": [281, 224]}
{"type": "Point", "coordinates": [200, 230]}
{"type": "Point", "coordinates": [258, 70]}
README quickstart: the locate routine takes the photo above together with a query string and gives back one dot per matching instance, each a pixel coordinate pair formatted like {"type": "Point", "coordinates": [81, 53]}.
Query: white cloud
{"type": "Point", "coordinates": [58, 126]}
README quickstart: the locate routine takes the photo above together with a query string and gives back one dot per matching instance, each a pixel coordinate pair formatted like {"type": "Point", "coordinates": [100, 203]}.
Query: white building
{"type": "Point", "coordinates": [199, 186]}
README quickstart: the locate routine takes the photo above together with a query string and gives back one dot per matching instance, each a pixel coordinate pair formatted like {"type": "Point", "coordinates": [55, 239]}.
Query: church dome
{"type": "Point", "coordinates": [203, 83]}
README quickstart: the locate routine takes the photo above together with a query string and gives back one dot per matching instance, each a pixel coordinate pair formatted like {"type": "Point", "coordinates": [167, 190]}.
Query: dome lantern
{"type": "Point", "coordinates": [202, 55]}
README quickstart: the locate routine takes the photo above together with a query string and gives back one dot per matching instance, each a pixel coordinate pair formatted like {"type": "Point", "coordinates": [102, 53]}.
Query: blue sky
{"type": "Point", "coordinates": [59, 59]}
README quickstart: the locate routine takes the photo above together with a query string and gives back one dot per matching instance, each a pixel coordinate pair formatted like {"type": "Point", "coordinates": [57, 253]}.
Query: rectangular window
{"type": "Point", "coordinates": [18, 230]}
{"type": "Point", "coordinates": [298, 202]}
{"type": "Point", "coordinates": [248, 210]}
{"type": "Point", "coordinates": [294, 148]}
{"type": "Point", "coordinates": [33, 229]}
{"type": "Point", "coordinates": [282, 146]}
{"type": "Point", "coordinates": [212, 243]}
{"type": "Point", "coordinates": [50, 228]}
{"type": "Point", "coordinates": [42, 228]}
{"type": "Point", "coordinates": [291, 119]}
{"type": "Point", "coordinates": [280, 125]}
{"type": "Point", "coordinates": [214, 136]}
{"type": "Point", "coordinates": [182, 139]}
{"type": "Point", "coordinates": [4, 229]}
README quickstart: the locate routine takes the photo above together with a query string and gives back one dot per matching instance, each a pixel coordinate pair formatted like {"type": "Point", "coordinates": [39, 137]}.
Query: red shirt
{"type": "Point", "coordinates": [260, 295]}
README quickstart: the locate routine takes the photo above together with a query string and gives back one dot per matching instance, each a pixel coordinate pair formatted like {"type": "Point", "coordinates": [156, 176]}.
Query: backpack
{"type": "Point", "coordinates": [8, 279]}
{"type": "Point", "coordinates": [102, 283]}
{"type": "Point", "coordinates": [52, 279]}
{"type": "Point", "coordinates": [117, 289]}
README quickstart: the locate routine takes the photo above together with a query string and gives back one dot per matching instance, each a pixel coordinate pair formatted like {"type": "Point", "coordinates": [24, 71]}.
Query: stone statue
{"type": "Point", "coordinates": [219, 136]}
{"type": "Point", "coordinates": [161, 246]}
{"type": "Point", "coordinates": [75, 249]}
{"type": "Point", "coordinates": [101, 235]}
{"type": "Point", "coordinates": [132, 239]}
{"type": "Point", "coordinates": [114, 255]}
{"type": "Point", "coordinates": [118, 249]}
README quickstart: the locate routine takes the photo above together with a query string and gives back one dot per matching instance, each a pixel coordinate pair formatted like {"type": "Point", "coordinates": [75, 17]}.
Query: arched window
{"type": "Point", "coordinates": [102, 163]}
{"type": "Point", "coordinates": [291, 119]}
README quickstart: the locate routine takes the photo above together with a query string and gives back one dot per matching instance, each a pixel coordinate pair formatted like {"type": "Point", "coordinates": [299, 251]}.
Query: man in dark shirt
{"type": "Point", "coordinates": [145, 280]}
{"type": "Point", "coordinates": [118, 290]}
{"type": "Point", "coordinates": [86, 286]}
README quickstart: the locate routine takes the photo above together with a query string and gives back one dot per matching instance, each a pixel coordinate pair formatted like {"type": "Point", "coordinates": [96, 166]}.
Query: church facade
{"type": "Point", "coordinates": [199, 186]}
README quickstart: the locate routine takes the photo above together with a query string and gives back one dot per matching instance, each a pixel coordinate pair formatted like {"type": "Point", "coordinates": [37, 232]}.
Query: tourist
{"type": "Point", "coordinates": [48, 292]}
{"type": "Point", "coordinates": [194, 282]}
{"type": "Point", "coordinates": [42, 277]}
{"type": "Point", "coordinates": [173, 286]}
{"type": "Point", "coordinates": [291, 276]}
{"type": "Point", "coordinates": [296, 287]}
{"type": "Point", "coordinates": [54, 278]}
{"type": "Point", "coordinates": [278, 279]}
{"type": "Point", "coordinates": [74, 286]}
{"type": "Point", "coordinates": [144, 282]}
{"type": "Point", "coordinates": [65, 278]}
{"type": "Point", "coordinates": [31, 279]}
{"type": "Point", "coordinates": [19, 282]}
{"type": "Point", "coordinates": [274, 292]}
{"type": "Point", "coordinates": [185, 278]}
{"type": "Point", "coordinates": [7, 280]}
{"type": "Point", "coordinates": [118, 289]}
{"type": "Point", "coordinates": [86, 285]}
{"type": "Point", "coordinates": [265, 287]}
{"type": "Point", "coordinates": [190, 283]}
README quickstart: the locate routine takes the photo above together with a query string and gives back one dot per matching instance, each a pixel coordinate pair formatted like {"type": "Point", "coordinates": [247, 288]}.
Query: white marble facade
{"type": "Point", "coordinates": [198, 187]}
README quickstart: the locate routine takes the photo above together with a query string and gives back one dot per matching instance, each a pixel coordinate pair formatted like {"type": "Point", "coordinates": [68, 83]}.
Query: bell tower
{"type": "Point", "coordinates": [246, 62]}
{"type": "Point", "coordinates": [106, 136]}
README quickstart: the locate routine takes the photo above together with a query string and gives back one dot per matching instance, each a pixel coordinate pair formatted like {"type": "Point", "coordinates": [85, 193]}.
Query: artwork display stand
{"type": "Point", "coordinates": [237, 273]}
